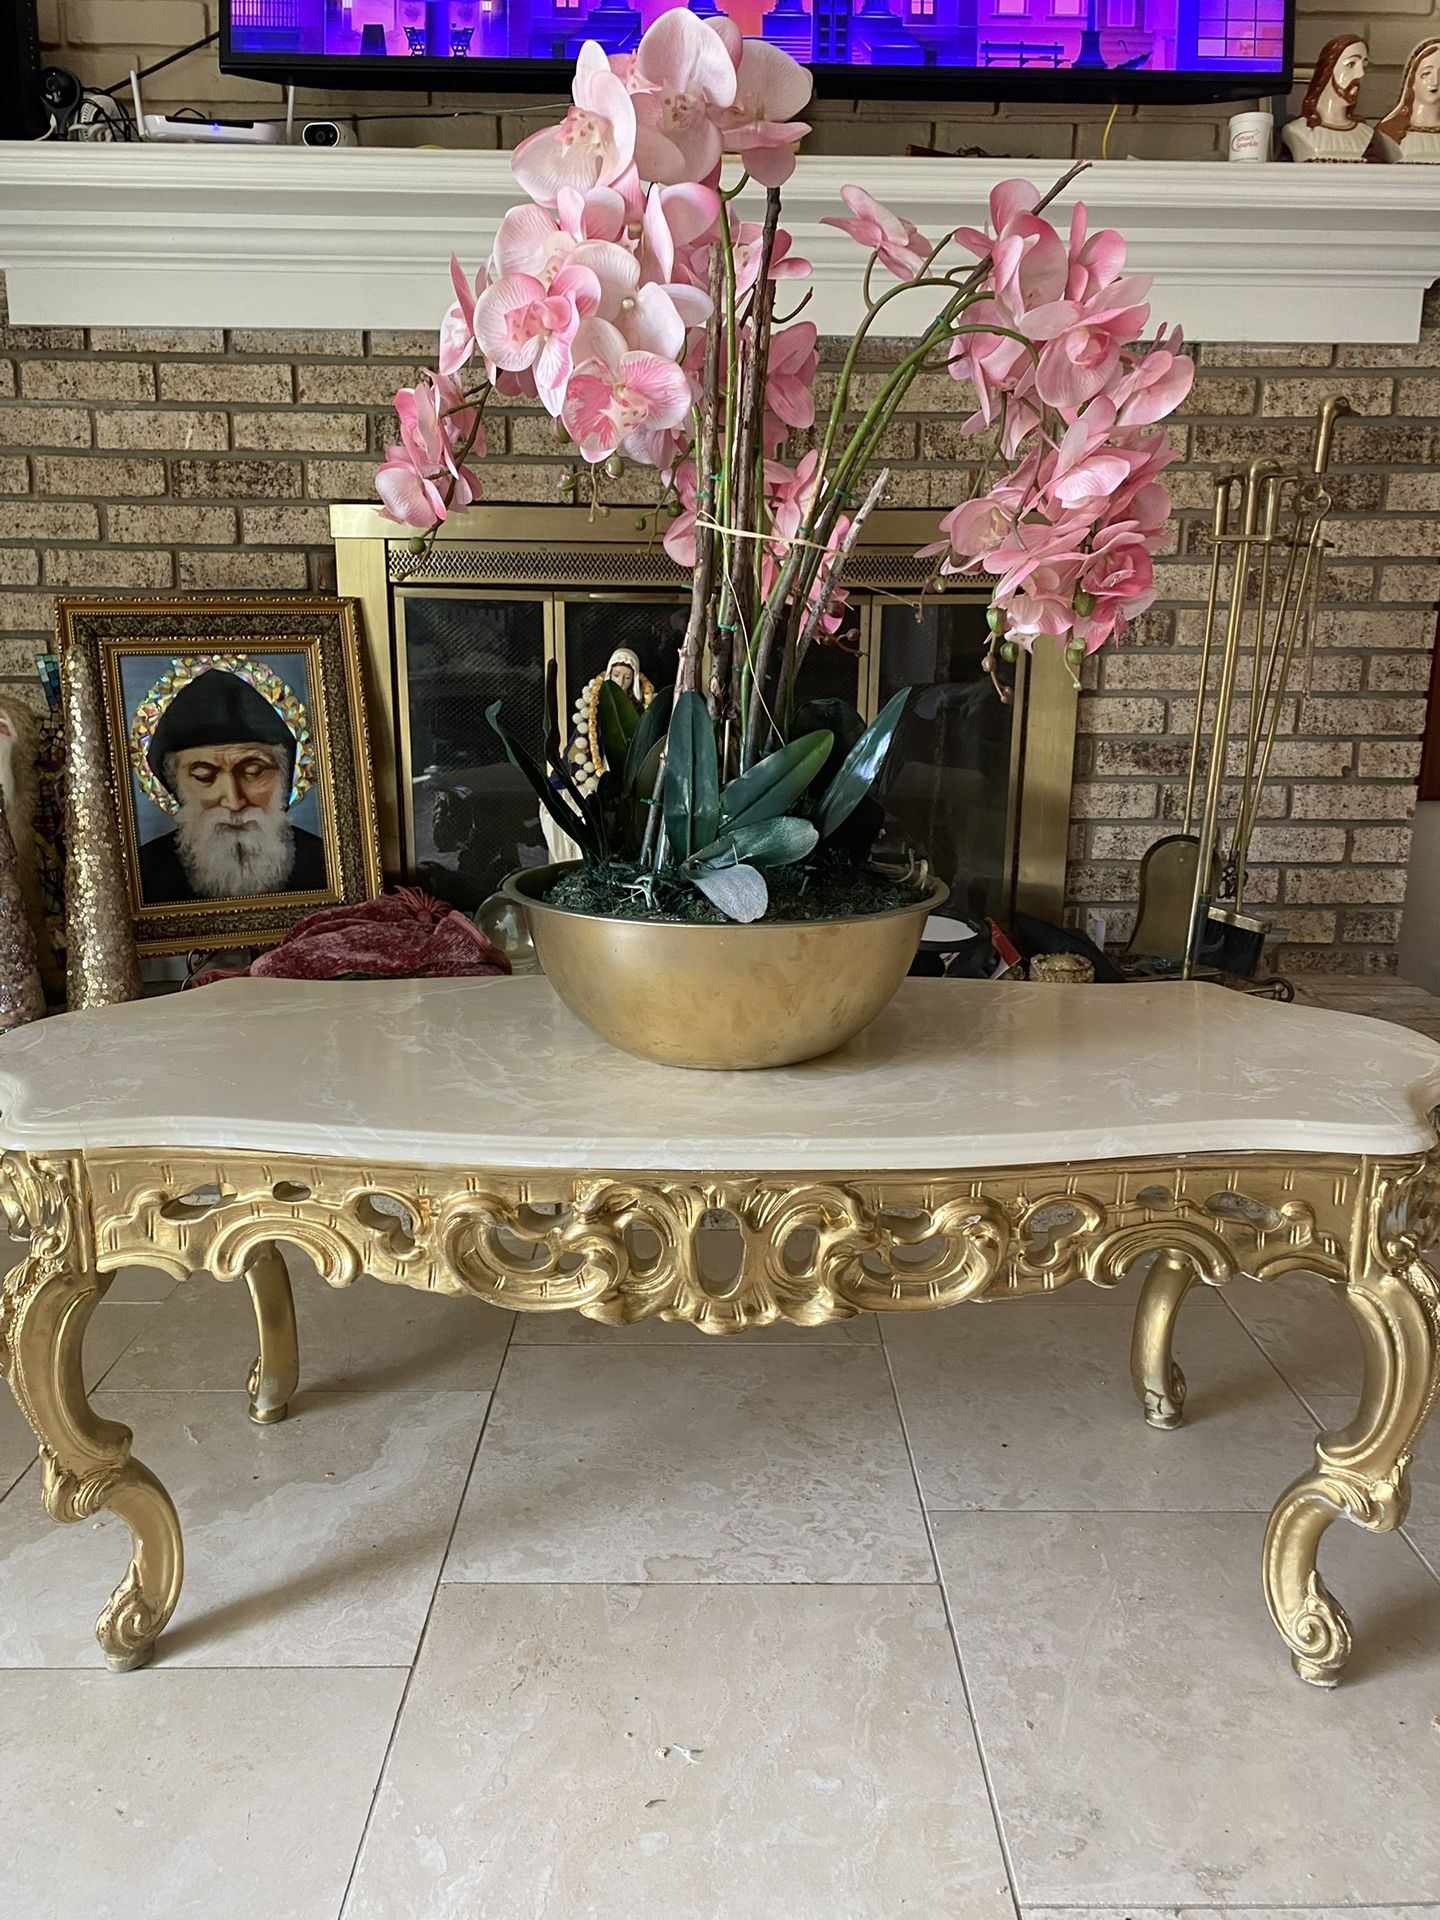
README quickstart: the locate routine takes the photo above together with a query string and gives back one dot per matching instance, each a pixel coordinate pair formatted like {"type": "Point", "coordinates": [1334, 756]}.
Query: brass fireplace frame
{"type": "Point", "coordinates": [565, 549]}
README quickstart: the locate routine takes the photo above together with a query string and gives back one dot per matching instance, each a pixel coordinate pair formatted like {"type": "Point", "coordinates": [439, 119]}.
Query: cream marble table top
{"type": "Point", "coordinates": [977, 1142]}
{"type": "Point", "coordinates": [496, 1073]}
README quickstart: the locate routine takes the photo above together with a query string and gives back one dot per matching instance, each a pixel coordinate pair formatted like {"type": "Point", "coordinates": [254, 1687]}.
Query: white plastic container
{"type": "Point", "coordinates": [1252, 136]}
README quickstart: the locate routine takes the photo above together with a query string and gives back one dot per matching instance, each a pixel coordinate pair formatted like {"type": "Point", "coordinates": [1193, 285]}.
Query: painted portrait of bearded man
{"type": "Point", "coordinates": [222, 762]}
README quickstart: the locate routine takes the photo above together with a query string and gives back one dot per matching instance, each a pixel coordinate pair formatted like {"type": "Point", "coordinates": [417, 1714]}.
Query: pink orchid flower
{"type": "Point", "coordinates": [745, 238]}
{"type": "Point", "coordinates": [677, 230]}
{"type": "Point", "coordinates": [651, 323]}
{"type": "Point", "coordinates": [615, 393]}
{"type": "Point", "coordinates": [1155, 383]}
{"type": "Point", "coordinates": [1036, 556]}
{"type": "Point", "coordinates": [682, 73]}
{"type": "Point", "coordinates": [1029, 260]}
{"type": "Point", "coordinates": [1119, 580]}
{"type": "Point", "coordinates": [993, 363]}
{"type": "Point", "coordinates": [1080, 354]}
{"type": "Point", "coordinates": [679, 537]}
{"type": "Point", "coordinates": [592, 146]}
{"type": "Point", "coordinates": [529, 240]}
{"type": "Point", "coordinates": [659, 447]}
{"type": "Point", "coordinates": [600, 214]}
{"type": "Point", "coordinates": [790, 496]}
{"type": "Point", "coordinates": [1120, 569]}
{"type": "Point", "coordinates": [771, 88]}
{"type": "Point", "coordinates": [423, 479]}
{"type": "Point", "coordinates": [790, 381]}
{"type": "Point", "coordinates": [1087, 471]}
{"type": "Point", "coordinates": [1095, 263]}
{"type": "Point", "coordinates": [972, 531]}
{"type": "Point", "coordinates": [616, 270]}
{"type": "Point", "coordinates": [457, 329]}
{"type": "Point", "coordinates": [825, 591]}
{"type": "Point", "coordinates": [897, 242]}
{"type": "Point", "coordinates": [521, 323]}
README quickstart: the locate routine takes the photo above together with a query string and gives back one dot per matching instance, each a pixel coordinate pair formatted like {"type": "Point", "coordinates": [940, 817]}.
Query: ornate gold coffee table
{"type": "Point", "coordinates": [978, 1141]}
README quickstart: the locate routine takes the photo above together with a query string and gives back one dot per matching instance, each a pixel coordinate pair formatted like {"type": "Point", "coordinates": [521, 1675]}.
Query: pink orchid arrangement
{"type": "Point", "coordinates": [631, 300]}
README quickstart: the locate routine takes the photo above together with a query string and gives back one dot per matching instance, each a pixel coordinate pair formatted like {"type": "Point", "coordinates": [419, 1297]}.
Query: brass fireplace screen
{"type": "Point", "coordinates": [980, 785]}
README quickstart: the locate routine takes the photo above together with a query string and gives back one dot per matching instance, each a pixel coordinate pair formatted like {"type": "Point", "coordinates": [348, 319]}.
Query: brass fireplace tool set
{"type": "Point", "coordinates": [1269, 524]}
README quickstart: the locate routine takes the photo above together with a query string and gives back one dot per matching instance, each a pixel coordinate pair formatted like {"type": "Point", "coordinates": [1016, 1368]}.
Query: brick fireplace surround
{"type": "Point", "coordinates": [140, 460]}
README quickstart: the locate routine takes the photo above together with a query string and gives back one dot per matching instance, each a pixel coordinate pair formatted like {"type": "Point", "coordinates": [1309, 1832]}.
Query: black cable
{"type": "Point", "coordinates": [399, 113]}
{"type": "Point", "coordinates": [160, 65]}
{"type": "Point", "coordinates": [429, 113]}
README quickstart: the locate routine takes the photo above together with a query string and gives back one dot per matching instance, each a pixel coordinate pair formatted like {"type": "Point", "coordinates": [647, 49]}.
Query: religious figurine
{"type": "Point", "coordinates": [1327, 128]}
{"type": "Point", "coordinates": [584, 756]}
{"type": "Point", "coordinates": [1410, 132]}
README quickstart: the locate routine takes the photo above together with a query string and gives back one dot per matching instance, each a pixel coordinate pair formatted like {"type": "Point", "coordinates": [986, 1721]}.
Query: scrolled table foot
{"type": "Point", "coordinates": [1311, 1621]}
{"type": "Point", "coordinates": [1314, 1674]}
{"type": "Point", "coordinates": [135, 1615]}
{"type": "Point", "coordinates": [1159, 1383]}
{"type": "Point", "coordinates": [86, 1464]}
{"type": "Point", "coordinates": [276, 1372]}
{"type": "Point", "coordinates": [1362, 1470]}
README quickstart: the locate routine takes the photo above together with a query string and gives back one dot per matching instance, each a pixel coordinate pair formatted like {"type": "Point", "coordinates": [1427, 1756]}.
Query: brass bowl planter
{"type": "Point", "coordinates": [765, 995]}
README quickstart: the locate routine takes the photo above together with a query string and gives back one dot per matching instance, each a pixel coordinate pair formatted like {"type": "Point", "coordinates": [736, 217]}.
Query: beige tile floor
{"type": "Point", "coordinates": [900, 1621]}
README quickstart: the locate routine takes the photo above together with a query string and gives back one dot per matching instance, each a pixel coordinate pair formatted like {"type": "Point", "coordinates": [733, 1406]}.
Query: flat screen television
{"type": "Point", "coordinates": [1083, 50]}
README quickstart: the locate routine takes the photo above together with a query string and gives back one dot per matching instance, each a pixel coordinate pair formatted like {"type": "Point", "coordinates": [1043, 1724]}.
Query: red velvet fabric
{"type": "Point", "coordinates": [406, 935]}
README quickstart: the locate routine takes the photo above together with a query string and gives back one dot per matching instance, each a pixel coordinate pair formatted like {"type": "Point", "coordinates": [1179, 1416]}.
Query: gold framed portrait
{"type": "Point", "coordinates": [237, 758]}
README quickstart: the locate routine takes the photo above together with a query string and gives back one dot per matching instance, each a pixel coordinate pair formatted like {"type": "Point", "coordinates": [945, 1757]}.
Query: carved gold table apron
{"type": "Point", "coordinates": [978, 1141]}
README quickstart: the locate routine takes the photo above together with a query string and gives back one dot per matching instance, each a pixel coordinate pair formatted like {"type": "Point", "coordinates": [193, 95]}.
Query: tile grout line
{"type": "Point", "coordinates": [1431, 1569]}
{"type": "Point", "coordinates": [965, 1692]}
{"type": "Point", "coordinates": [424, 1632]}
{"type": "Point", "coordinates": [1206, 1906]}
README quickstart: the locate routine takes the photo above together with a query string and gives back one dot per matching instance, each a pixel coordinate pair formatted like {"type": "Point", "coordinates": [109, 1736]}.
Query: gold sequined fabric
{"type": "Point", "coordinates": [101, 963]}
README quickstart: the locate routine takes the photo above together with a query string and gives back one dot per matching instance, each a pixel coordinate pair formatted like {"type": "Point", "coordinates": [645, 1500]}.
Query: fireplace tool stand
{"type": "Point", "coordinates": [1267, 561]}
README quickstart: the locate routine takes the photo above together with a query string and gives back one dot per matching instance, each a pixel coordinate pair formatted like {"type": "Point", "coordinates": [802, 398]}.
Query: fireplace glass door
{"type": "Point", "coordinates": [978, 783]}
{"type": "Point", "coordinates": [468, 817]}
{"type": "Point", "coordinates": [949, 789]}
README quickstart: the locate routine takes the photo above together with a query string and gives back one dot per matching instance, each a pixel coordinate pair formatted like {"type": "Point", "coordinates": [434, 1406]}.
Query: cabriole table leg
{"type": "Point", "coordinates": [85, 1461]}
{"type": "Point", "coordinates": [276, 1372]}
{"type": "Point", "coordinates": [1159, 1383]}
{"type": "Point", "coordinates": [1361, 1470]}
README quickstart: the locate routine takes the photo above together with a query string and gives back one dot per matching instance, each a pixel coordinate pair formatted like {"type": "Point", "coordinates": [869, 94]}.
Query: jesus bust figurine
{"type": "Point", "coordinates": [1410, 132]}
{"type": "Point", "coordinates": [1327, 128]}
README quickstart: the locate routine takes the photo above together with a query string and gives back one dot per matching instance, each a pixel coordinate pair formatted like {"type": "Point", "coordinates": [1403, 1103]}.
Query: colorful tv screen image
{"type": "Point", "coordinates": [1033, 36]}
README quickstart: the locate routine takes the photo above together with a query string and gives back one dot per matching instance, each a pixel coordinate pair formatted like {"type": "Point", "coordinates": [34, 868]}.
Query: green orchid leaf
{"type": "Point", "coordinates": [635, 804]}
{"type": "Point", "coordinates": [648, 734]}
{"type": "Point", "coordinates": [582, 826]}
{"type": "Point", "coordinates": [649, 772]}
{"type": "Point", "coordinates": [768, 843]}
{"type": "Point", "coordinates": [692, 778]}
{"type": "Point", "coordinates": [861, 767]}
{"type": "Point", "coordinates": [618, 719]}
{"type": "Point", "coordinates": [774, 783]}
{"type": "Point", "coordinates": [845, 721]}
{"type": "Point", "coordinates": [739, 892]}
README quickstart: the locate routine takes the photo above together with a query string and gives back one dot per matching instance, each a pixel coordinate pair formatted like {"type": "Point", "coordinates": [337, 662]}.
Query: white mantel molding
{"type": "Point", "coordinates": [180, 236]}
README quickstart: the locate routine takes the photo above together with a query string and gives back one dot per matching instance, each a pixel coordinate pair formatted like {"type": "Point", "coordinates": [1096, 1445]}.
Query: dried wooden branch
{"type": "Point", "coordinates": [744, 453]}
{"type": "Point", "coordinates": [687, 675]}
{"type": "Point", "coordinates": [827, 579]}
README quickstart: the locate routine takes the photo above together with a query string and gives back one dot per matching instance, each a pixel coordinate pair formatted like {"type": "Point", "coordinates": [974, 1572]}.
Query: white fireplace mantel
{"type": "Point", "coordinates": [164, 236]}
